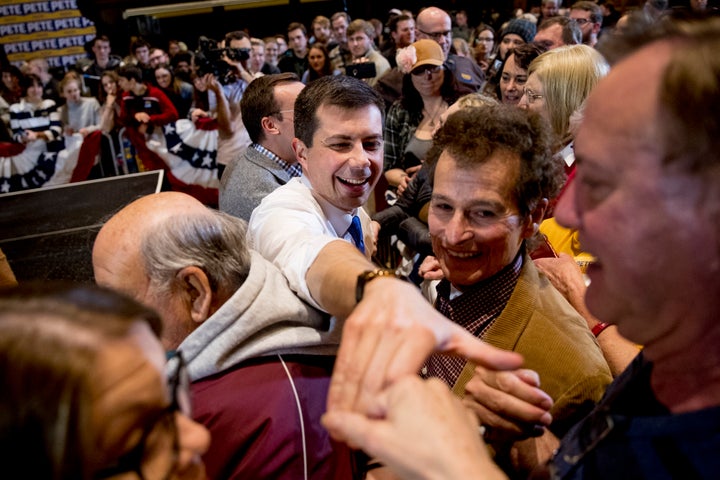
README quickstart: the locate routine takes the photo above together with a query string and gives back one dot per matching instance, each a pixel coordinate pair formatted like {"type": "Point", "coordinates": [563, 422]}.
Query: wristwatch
{"type": "Point", "coordinates": [367, 276]}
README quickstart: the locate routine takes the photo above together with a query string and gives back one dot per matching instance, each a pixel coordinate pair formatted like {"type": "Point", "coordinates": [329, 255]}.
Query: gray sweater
{"type": "Point", "coordinates": [85, 114]}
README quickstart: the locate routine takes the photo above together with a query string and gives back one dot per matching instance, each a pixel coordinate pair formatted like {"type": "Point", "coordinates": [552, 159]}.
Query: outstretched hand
{"type": "Point", "coordinates": [389, 334]}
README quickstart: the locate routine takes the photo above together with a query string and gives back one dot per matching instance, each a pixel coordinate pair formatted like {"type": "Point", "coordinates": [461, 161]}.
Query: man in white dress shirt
{"type": "Point", "coordinates": [304, 227]}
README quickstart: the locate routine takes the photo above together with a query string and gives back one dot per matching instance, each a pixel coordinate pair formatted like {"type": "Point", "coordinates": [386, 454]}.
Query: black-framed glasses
{"type": "Point", "coordinates": [436, 35]}
{"type": "Point", "coordinates": [149, 459]}
{"type": "Point", "coordinates": [531, 96]}
{"type": "Point", "coordinates": [581, 21]}
{"type": "Point", "coordinates": [428, 70]}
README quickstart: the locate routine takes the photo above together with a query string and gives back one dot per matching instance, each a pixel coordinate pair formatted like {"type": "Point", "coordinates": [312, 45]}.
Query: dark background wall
{"type": "Point", "coordinates": [264, 21]}
{"type": "Point", "coordinates": [260, 22]}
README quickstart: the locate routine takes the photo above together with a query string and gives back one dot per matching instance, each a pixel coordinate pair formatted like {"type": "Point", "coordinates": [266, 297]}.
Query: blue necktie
{"type": "Point", "coordinates": [355, 231]}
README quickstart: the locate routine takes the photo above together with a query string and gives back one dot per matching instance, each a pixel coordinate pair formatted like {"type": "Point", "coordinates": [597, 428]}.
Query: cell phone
{"type": "Point", "coordinates": [361, 70]}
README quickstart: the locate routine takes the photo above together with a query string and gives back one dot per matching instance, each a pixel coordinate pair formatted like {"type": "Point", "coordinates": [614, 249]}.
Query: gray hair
{"type": "Point", "coordinates": [214, 242]}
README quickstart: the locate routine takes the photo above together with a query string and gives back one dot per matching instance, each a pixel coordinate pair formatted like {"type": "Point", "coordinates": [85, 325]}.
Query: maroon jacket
{"type": "Point", "coordinates": [253, 416]}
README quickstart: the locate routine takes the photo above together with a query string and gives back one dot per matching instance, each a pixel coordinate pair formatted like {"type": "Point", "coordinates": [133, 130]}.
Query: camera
{"type": "Point", "coordinates": [209, 59]}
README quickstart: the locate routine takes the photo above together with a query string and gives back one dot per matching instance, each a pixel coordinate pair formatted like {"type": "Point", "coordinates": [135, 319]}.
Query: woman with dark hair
{"type": "Point", "coordinates": [482, 42]}
{"type": "Point", "coordinates": [427, 92]}
{"type": "Point", "coordinates": [180, 93]}
{"type": "Point", "coordinates": [110, 101]}
{"type": "Point", "coordinates": [35, 118]}
{"type": "Point", "coordinates": [10, 89]}
{"type": "Point", "coordinates": [319, 64]}
{"type": "Point", "coordinates": [514, 72]}
{"type": "Point", "coordinates": [84, 390]}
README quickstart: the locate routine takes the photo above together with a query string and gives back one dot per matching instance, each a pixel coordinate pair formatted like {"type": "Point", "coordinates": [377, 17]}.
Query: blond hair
{"type": "Point", "coordinates": [567, 75]}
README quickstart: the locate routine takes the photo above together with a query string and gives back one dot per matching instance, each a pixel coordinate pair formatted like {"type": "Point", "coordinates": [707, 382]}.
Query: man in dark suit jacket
{"type": "Point", "coordinates": [267, 110]}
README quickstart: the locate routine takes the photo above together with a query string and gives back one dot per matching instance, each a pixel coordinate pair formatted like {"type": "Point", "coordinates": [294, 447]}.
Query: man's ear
{"type": "Point", "coordinates": [535, 218]}
{"type": "Point", "coordinates": [300, 150]}
{"type": "Point", "coordinates": [197, 293]}
{"type": "Point", "coordinates": [268, 126]}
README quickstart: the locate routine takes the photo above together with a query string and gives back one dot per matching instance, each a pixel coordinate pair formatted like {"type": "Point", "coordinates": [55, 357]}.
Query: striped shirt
{"type": "Point", "coordinates": [42, 117]}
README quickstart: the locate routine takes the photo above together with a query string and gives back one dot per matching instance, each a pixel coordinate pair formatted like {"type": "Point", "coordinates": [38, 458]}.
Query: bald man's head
{"type": "Point", "coordinates": [434, 24]}
{"type": "Point", "coordinates": [168, 251]}
{"type": "Point", "coordinates": [117, 249]}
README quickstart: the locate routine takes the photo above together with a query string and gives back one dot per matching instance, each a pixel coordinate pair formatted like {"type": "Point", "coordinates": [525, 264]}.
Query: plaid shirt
{"type": "Point", "coordinates": [400, 126]}
{"type": "Point", "coordinates": [294, 169]}
{"type": "Point", "coordinates": [475, 310]}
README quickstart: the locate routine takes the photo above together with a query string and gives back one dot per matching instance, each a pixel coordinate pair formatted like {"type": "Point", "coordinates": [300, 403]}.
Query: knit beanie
{"type": "Point", "coordinates": [524, 28]}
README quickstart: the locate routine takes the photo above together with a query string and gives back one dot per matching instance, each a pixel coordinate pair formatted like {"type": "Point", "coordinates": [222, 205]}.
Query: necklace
{"type": "Point", "coordinates": [435, 116]}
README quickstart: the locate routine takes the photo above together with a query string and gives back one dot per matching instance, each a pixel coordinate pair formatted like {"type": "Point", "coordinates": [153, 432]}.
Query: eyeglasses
{"type": "Point", "coordinates": [147, 458]}
{"type": "Point", "coordinates": [581, 21]}
{"type": "Point", "coordinates": [436, 35]}
{"type": "Point", "coordinates": [427, 70]}
{"type": "Point", "coordinates": [484, 39]}
{"type": "Point", "coordinates": [531, 96]}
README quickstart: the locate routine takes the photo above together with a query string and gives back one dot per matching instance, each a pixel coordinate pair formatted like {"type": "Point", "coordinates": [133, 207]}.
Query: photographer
{"type": "Point", "coordinates": [225, 74]}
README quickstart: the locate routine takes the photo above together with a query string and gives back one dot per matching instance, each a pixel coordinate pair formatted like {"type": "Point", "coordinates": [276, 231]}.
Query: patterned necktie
{"type": "Point", "coordinates": [355, 231]}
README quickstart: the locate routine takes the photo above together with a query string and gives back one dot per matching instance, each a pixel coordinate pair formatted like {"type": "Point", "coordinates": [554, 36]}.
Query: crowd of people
{"type": "Point", "coordinates": [543, 180]}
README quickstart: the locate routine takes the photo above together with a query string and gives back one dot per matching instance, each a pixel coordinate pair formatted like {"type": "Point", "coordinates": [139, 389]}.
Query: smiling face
{"type": "Point", "coordinates": [346, 159]}
{"type": "Point", "coordinates": [512, 81]}
{"type": "Point", "coordinates": [158, 57]}
{"type": "Point", "coordinates": [475, 226]}
{"type": "Point", "coordinates": [34, 92]}
{"type": "Point", "coordinates": [163, 77]}
{"type": "Point", "coordinates": [533, 97]}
